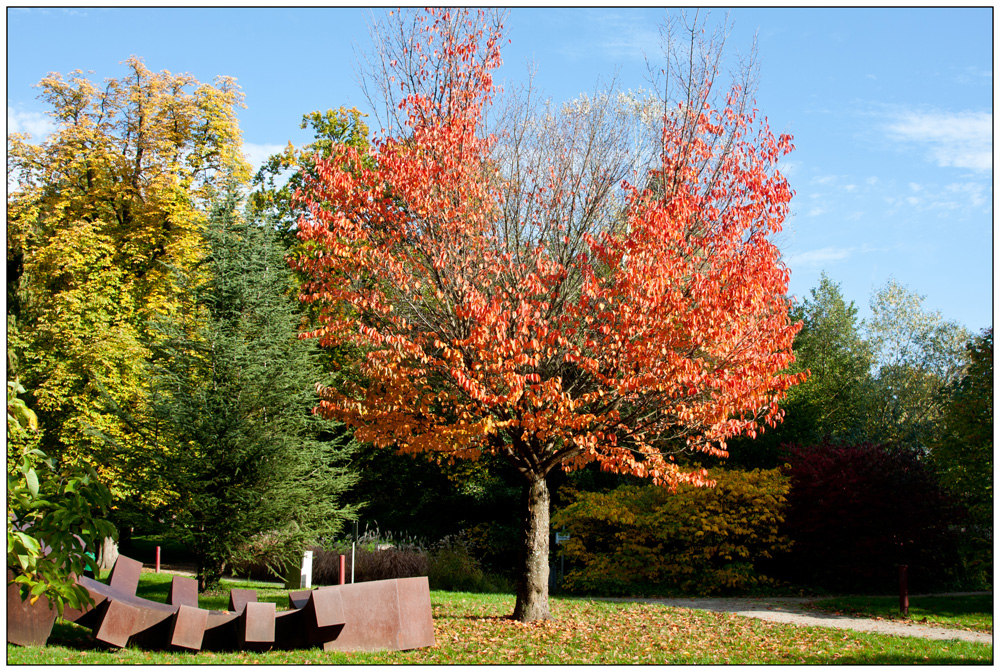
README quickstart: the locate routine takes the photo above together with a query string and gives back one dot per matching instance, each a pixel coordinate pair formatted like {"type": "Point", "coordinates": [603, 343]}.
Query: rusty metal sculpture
{"type": "Point", "coordinates": [27, 624]}
{"type": "Point", "coordinates": [393, 615]}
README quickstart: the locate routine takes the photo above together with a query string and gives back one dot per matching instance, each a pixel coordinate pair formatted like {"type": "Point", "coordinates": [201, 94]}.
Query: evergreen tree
{"type": "Point", "coordinates": [251, 466]}
{"type": "Point", "coordinates": [832, 403]}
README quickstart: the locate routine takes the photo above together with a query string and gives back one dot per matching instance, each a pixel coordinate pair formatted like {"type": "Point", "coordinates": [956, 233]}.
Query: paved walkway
{"type": "Point", "coordinates": [790, 610]}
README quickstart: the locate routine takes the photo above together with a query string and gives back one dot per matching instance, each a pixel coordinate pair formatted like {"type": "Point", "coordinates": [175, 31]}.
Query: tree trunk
{"type": "Point", "coordinates": [533, 580]}
{"type": "Point", "coordinates": [108, 554]}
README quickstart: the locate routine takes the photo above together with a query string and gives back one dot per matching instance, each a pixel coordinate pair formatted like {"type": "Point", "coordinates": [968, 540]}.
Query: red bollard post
{"type": "Point", "coordinates": [342, 570]}
{"type": "Point", "coordinates": [904, 592]}
{"type": "Point", "coordinates": [157, 559]}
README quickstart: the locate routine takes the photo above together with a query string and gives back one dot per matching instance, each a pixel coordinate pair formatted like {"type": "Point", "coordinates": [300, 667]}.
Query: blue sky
{"type": "Point", "coordinates": [891, 110]}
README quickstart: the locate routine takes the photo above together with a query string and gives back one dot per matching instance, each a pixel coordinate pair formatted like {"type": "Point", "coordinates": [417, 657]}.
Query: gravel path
{"type": "Point", "coordinates": [790, 610]}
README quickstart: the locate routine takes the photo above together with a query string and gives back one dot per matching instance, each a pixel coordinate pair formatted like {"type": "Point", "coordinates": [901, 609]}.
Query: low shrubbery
{"type": "Point", "coordinates": [449, 563]}
{"type": "Point", "coordinates": [855, 512]}
{"type": "Point", "coordinates": [55, 526]}
{"type": "Point", "coordinates": [376, 556]}
{"type": "Point", "coordinates": [638, 539]}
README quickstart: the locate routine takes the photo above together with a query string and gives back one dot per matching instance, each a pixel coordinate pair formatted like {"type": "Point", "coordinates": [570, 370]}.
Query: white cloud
{"type": "Point", "coordinates": [955, 139]}
{"type": "Point", "coordinates": [256, 154]}
{"type": "Point", "coordinates": [973, 193]}
{"type": "Point", "coordinates": [789, 168]}
{"type": "Point", "coordinates": [36, 124]}
{"type": "Point", "coordinates": [949, 198]}
{"type": "Point", "coordinates": [819, 257]}
{"type": "Point", "coordinates": [630, 38]}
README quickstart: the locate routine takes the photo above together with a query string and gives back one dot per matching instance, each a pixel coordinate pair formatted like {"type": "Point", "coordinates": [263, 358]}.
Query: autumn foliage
{"type": "Point", "coordinates": [695, 541]}
{"type": "Point", "coordinates": [494, 319]}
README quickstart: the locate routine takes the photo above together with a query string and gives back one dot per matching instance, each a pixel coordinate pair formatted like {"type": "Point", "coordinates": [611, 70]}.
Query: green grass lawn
{"type": "Point", "coordinates": [474, 629]}
{"type": "Point", "coordinates": [968, 612]}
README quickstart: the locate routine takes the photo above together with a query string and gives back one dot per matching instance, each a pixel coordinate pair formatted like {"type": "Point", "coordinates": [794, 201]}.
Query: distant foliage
{"type": "Point", "coordinates": [858, 511]}
{"type": "Point", "coordinates": [962, 454]}
{"type": "Point", "coordinates": [703, 540]}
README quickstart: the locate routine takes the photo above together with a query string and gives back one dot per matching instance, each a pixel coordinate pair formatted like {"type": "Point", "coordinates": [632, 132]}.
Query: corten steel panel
{"type": "Point", "coordinates": [238, 598]}
{"type": "Point", "coordinates": [257, 623]}
{"type": "Point", "coordinates": [328, 606]}
{"type": "Point", "coordinates": [290, 629]}
{"type": "Point", "coordinates": [147, 622]}
{"type": "Point", "coordinates": [320, 618]}
{"type": "Point", "coordinates": [86, 616]}
{"type": "Point", "coordinates": [220, 630]}
{"type": "Point", "coordinates": [298, 598]}
{"type": "Point", "coordinates": [324, 615]}
{"type": "Point", "coordinates": [371, 611]}
{"type": "Point", "coordinates": [188, 628]}
{"type": "Point", "coordinates": [125, 574]}
{"type": "Point", "coordinates": [27, 624]}
{"type": "Point", "coordinates": [183, 591]}
{"type": "Point", "coordinates": [117, 624]}
{"type": "Point", "coordinates": [416, 626]}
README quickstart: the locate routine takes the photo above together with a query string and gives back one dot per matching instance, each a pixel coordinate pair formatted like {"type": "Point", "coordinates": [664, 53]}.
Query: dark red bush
{"type": "Point", "coordinates": [856, 512]}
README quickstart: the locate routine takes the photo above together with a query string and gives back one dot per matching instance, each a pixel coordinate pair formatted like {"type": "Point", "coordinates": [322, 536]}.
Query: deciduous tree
{"type": "Point", "coordinates": [833, 403]}
{"type": "Point", "coordinates": [917, 352]}
{"type": "Point", "coordinates": [100, 210]}
{"type": "Point", "coordinates": [528, 304]}
{"type": "Point", "coordinates": [275, 184]}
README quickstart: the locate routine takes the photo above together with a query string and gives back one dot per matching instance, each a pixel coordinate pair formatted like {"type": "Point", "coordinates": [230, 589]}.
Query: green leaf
{"type": "Point", "coordinates": [32, 480]}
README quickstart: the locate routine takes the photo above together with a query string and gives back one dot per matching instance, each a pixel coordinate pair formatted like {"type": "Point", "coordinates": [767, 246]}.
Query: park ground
{"type": "Point", "coordinates": [475, 629]}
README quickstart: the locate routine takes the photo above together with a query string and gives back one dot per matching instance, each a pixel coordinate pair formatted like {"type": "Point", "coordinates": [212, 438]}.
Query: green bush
{"type": "Point", "coordinates": [641, 539]}
{"type": "Point", "coordinates": [452, 566]}
{"type": "Point", "coordinates": [54, 528]}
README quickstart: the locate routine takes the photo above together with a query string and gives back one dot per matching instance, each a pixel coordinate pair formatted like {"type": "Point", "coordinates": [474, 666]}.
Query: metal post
{"type": "Point", "coordinates": [157, 559]}
{"type": "Point", "coordinates": [904, 595]}
{"type": "Point", "coordinates": [341, 569]}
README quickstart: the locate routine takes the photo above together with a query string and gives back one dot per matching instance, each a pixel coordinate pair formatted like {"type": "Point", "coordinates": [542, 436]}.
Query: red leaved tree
{"type": "Point", "coordinates": [510, 294]}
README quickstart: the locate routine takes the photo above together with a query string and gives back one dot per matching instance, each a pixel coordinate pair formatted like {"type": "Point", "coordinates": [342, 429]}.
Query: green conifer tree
{"type": "Point", "coordinates": [252, 468]}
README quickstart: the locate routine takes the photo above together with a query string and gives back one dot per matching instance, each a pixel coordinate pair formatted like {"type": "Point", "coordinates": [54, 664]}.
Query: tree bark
{"type": "Point", "coordinates": [533, 581]}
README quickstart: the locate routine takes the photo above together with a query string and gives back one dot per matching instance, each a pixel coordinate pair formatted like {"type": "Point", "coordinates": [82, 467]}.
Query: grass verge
{"type": "Point", "coordinates": [474, 629]}
{"type": "Point", "coordinates": [967, 612]}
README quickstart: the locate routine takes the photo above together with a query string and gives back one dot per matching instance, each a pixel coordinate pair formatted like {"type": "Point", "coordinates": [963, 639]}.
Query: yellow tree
{"type": "Point", "coordinates": [99, 213]}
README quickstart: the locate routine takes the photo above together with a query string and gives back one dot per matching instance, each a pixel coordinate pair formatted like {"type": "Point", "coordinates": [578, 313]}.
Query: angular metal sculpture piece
{"type": "Point", "coordinates": [27, 624]}
{"type": "Point", "coordinates": [391, 615]}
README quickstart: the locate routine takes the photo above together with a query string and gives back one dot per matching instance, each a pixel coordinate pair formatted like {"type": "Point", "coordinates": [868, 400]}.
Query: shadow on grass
{"type": "Point", "coordinates": [893, 659]}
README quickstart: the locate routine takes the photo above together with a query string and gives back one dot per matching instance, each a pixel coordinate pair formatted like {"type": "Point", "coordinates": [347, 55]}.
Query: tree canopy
{"type": "Point", "coordinates": [101, 209]}
{"type": "Point", "coordinates": [536, 315]}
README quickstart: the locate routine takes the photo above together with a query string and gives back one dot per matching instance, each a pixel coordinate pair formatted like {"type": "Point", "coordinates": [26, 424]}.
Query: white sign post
{"type": "Point", "coordinates": [307, 570]}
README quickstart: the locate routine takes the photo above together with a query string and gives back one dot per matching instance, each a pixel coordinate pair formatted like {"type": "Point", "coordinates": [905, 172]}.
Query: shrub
{"type": "Point", "coordinates": [645, 538]}
{"type": "Point", "coordinates": [54, 528]}
{"type": "Point", "coordinates": [454, 567]}
{"type": "Point", "coordinates": [858, 511]}
{"type": "Point", "coordinates": [377, 556]}
{"type": "Point", "coordinates": [449, 564]}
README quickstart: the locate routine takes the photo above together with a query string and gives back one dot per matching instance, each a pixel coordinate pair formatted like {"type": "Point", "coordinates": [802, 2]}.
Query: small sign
{"type": "Point", "coordinates": [560, 538]}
